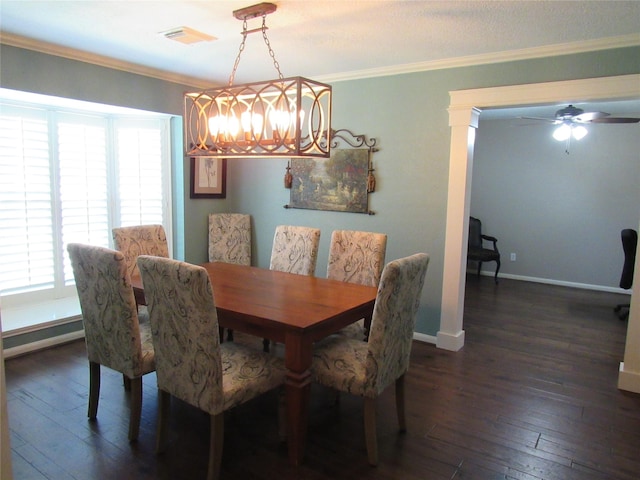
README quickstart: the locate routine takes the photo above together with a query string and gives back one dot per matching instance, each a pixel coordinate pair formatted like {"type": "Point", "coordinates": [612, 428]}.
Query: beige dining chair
{"type": "Point", "coordinates": [191, 363]}
{"type": "Point", "coordinates": [115, 336]}
{"type": "Point", "coordinates": [230, 238]}
{"type": "Point", "coordinates": [367, 368]}
{"type": "Point", "coordinates": [140, 240]}
{"type": "Point", "coordinates": [356, 257]}
{"type": "Point", "coordinates": [295, 249]}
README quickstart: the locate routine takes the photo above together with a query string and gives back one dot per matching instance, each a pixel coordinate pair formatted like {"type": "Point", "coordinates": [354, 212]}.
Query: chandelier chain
{"type": "Point", "coordinates": [235, 65]}
{"type": "Point", "coordinates": [245, 32]}
{"type": "Point", "coordinates": [271, 53]}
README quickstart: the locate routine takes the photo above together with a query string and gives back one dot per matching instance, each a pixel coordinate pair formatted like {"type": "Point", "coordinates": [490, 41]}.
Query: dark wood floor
{"type": "Point", "coordinates": [532, 395]}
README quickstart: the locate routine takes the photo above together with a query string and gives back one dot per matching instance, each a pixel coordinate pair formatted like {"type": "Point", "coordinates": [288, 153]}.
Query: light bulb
{"type": "Point", "coordinates": [579, 132]}
{"type": "Point", "coordinates": [563, 132]}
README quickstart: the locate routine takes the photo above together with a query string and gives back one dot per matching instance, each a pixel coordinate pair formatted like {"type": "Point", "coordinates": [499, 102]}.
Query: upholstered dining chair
{"type": "Point", "coordinates": [356, 257]}
{"type": "Point", "coordinates": [475, 249]}
{"type": "Point", "coordinates": [191, 363]}
{"type": "Point", "coordinates": [295, 249]}
{"type": "Point", "coordinates": [367, 368]}
{"type": "Point", "coordinates": [114, 334]}
{"type": "Point", "coordinates": [230, 238]}
{"type": "Point", "coordinates": [140, 240]}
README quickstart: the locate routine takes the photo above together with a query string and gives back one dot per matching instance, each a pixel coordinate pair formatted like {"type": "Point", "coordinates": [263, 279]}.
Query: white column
{"type": "Point", "coordinates": [463, 122]}
{"type": "Point", "coordinates": [629, 376]}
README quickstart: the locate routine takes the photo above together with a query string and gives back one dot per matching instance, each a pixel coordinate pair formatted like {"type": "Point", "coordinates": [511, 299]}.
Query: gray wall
{"type": "Point", "coordinates": [561, 214]}
{"type": "Point", "coordinates": [406, 113]}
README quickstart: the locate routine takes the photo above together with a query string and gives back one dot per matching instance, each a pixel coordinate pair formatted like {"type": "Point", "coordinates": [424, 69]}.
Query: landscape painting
{"type": "Point", "coordinates": [338, 183]}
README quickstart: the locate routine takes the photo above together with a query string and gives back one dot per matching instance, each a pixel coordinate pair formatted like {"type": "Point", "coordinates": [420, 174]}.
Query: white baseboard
{"type": "Point", "coordinates": [41, 344]}
{"type": "Point", "coordinates": [422, 337]}
{"type": "Point", "coordinates": [628, 380]}
{"type": "Point", "coordinates": [562, 283]}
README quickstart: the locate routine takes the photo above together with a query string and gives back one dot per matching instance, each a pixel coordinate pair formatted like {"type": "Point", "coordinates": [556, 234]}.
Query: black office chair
{"type": "Point", "coordinates": [629, 244]}
{"type": "Point", "coordinates": [476, 250]}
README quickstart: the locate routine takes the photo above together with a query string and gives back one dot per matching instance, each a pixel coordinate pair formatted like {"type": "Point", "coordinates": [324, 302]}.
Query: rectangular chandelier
{"type": "Point", "coordinates": [285, 117]}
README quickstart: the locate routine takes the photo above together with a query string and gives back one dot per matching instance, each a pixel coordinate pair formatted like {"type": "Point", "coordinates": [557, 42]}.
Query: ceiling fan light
{"type": "Point", "coordinates": [579, 132]}
{"type": "Point", "coordinates": [563, 132]}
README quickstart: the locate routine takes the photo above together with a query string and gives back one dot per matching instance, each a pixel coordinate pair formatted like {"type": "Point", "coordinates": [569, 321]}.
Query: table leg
{"type": "Point", "coordinates": [298, 391]}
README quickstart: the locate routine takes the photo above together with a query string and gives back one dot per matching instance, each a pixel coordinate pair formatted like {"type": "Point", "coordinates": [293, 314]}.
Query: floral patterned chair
{"type": "Point", "coordinates": [366, 369]}
{"type": "Point", "coordinates": [356, 257]}
{"type": "Point", "coordinates": [230, 238]}
{"type": "Point", "coordinates": [140, 240]}
{"type": "Point", "coordinates": [115, 336]}
{"type": "Point", "coordinates": [295, 249]}
{"type": "Point", "coordinates": [192, 364]}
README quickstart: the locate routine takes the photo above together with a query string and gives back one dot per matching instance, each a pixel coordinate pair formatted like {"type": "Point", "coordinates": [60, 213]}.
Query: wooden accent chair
{"type": "Point", "coordinates": [192, 364]}
{"type": "Point", "coordinates": [476, 251]}
{"type": "Point", "coordinates": [114, 334]}
{"type": "Point", "coordinates": [357, 257]}
{"type": "Point", "coordinates": [367, 368]}
{"type": "Point", "coordinates": [230, 238]}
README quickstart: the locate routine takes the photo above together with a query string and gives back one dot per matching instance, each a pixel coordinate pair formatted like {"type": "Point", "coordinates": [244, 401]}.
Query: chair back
{"type": "Point", "coordinates": [109, 313]}
{"type": "Point", "coordinates": [356, 257]}
{"type": "Point", "coordinates": [140, 240]}
{"type": "Point", "coordinates": [393, 321]}
{"type": "Point", "coordinates": [230, 238]}
{"type": "Point", "coordinates": [295, 250]}
{"type": "Point", "coordinates": [184, 325]}
{"type": "Point", "coordinates": [629, 245]}
{"type": "Point", "coordinates": [475, 234]}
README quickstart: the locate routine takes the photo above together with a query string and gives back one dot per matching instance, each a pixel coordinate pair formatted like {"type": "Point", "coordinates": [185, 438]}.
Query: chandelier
{"type": "Point", "coordinates": [285, 117]}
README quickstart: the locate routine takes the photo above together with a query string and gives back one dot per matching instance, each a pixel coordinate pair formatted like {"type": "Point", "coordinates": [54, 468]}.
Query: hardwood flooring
{"type": "Point", "coordinates": [532, 395]}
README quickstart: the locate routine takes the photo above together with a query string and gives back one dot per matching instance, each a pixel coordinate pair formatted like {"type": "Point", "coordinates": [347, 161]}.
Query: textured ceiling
{"type": "Point", "coordinates": [318, 39]}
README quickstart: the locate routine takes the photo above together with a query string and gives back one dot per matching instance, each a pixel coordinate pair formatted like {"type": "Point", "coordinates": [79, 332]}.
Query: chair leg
{"type": "Point", "coordinates": [402, 419]}
{"type": "Point", "coordinates": [164, 404]}
{"type": "Point", "coordinates": [229, 335]}
{"type": "Point", "coordinates": [136, 407]}
{"type": "Point", "coordinates": [479, 266]}
{"type": "Point", "coordinates": [370, 431]}
{"type": "Point", "coordinates": [497, 270]}
{"type": "Point", "coordinates": [215, 446]}
{"type": "Point", "coordinates": [265, 345]}
{"type": "Point", "coordinates": [94, 389]}
{"type": "Point", "coordinates": [126, 382]}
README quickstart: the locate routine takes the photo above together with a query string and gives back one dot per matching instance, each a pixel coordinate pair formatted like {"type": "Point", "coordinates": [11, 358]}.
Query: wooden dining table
{"type": "Point", "coordinates": [294, 310]}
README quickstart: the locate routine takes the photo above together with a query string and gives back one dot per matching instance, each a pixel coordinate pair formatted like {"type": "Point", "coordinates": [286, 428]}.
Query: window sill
{"type": "Point", "coordinates": [25, 319]}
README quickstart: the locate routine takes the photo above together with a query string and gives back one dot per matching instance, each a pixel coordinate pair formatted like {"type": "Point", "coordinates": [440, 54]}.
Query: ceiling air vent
{"type": "Point", "coordinates": [187, 35]}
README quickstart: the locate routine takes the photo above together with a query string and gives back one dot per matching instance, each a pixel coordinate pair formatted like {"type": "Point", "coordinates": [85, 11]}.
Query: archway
{"type": "Point", "coordinates": [464, 110]}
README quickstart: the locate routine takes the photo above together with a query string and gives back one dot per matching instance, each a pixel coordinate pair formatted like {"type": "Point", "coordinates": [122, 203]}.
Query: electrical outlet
{"type": "Point", "coordinates": [513, 257]}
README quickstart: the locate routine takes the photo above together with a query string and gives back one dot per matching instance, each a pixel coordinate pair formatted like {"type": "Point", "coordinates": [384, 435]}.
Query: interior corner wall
{"type": "Point", "coordinates": [561, 214]}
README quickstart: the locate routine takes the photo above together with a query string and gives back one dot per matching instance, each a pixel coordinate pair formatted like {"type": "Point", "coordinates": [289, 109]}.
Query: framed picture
{"type": "Point", "coordinates": [341, 183]}
{"type": "Point", "coordinates": [208, 177]}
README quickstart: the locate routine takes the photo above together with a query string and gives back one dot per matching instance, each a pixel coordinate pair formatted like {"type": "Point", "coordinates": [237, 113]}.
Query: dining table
{"type": "Point", "coordinates": [290, 309]}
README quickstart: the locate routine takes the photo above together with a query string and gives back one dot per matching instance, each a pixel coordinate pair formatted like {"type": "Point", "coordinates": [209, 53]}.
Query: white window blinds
{"type": "Point", "coordinates": [70, 177]}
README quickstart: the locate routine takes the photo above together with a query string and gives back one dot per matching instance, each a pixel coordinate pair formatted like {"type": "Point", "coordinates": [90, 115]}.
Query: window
{"type": "Point", "coordinates": [70, 175]}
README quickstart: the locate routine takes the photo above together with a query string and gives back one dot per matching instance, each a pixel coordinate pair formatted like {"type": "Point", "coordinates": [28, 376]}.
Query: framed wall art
{"type": "Point", "coordinates": [208, 177]}
{"type": "Point", "coordinates": [341, 183]}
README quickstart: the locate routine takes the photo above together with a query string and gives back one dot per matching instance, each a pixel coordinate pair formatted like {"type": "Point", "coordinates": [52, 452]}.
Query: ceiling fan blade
{"type": "Point", "coordinates": [616, 120]}
{"type": "Point", "coordinates": [589, 116]}
{"type": "Point", "coordinates": [548, 120]}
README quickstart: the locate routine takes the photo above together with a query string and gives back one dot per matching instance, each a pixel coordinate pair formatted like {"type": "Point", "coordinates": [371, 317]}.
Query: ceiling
{"type": "Point", "coordinates": [324, 40]}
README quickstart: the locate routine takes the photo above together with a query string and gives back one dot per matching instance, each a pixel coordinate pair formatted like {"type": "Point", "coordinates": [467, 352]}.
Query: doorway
{"type": "Point", "coordinates": [464, 112]}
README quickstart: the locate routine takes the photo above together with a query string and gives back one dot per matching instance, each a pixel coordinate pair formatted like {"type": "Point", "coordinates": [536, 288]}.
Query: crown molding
{"type": "Point", "coordinates": [99, 60]}
{"type": "Point", "coordinates": [622, 41]}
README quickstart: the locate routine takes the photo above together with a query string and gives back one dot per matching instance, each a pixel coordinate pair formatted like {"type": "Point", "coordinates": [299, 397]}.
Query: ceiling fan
{"type": "Point", "coordinates": [571, 121]}
{"type": "Point", "coordinates": [571, 115]}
